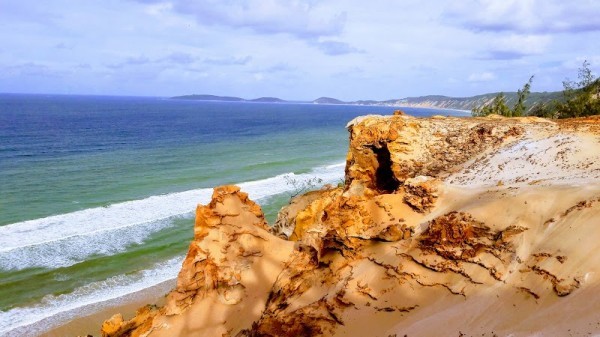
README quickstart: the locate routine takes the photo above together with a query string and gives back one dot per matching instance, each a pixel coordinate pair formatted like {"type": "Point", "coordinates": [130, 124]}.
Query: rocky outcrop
{"type": "Point", "coordinates": [421, 193]}
{"type": "Point", "coordinates": [228, 272]}
{"type": "Point", "coordinates": [286, 218]}
{"type": "Point", "coordinates": [139, 325]}
{"type": "Point", "coordinates": [384, 151]}
{"type": "Point", "coordinates": [422, 240]}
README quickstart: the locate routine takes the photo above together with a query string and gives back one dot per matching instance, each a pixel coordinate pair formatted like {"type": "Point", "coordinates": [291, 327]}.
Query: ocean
{"type": "Point", "coordinates": [97, 193]}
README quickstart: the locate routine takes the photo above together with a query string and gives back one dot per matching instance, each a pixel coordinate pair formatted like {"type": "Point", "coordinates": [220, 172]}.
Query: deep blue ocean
{"type": "Point", "coordinates": [98, 193]}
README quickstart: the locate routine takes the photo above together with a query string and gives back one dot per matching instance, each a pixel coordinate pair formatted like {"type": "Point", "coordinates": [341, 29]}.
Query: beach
{"type": "Point", "coordinates": [477, 227]}
{"type": "Point", "coordinates": [89, 319]}
{"type": "Point", "coordinates": [99, 193]}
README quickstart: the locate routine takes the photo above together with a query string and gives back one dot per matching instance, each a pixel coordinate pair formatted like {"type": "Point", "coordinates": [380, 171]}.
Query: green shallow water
{"type": "Point", "coordinates": [67, 184]}
{"type": "Point", "coordinates": [23, 287]}
{"type": "Point", "coordinates": [98, 193]}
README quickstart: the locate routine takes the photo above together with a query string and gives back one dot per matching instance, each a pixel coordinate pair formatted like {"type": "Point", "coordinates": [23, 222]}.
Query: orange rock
{"type": "Point", "coordinates": [421, 193]}
{"type": "Point", "coordinates": [112, 325]}
{"type": "Point", "coordinates": [385, 151]}
{"type": "Point", "coordinates": [397, 250]}
{"type": "Point", "coordinates": [286, 218]}
{"type": "Point", "coordinates": [138, 326]}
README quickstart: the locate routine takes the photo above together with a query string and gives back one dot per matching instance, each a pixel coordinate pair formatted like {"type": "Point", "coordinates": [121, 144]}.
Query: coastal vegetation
{"type": "Point", "coordinates": [581, 98]}
{"type": "Point", "coordinates": [578, 98]}
{"type": "Point", "coordinates": [499, 106]}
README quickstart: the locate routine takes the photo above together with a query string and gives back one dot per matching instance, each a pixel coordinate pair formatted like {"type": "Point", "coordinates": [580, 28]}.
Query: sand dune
{"type": "Point", "coordinates": [445, 227]}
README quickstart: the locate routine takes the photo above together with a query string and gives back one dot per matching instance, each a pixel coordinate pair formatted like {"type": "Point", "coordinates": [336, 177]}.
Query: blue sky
{"type": "Point", "coordinates": [297, 49]}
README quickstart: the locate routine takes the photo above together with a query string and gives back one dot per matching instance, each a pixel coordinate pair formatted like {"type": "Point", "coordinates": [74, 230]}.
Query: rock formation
{"type": "Point", "coordinates": [445, 227]}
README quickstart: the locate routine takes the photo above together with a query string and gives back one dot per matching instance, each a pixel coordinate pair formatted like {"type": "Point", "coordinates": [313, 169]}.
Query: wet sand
{"type": "Point", "coordinates": [88, 320]}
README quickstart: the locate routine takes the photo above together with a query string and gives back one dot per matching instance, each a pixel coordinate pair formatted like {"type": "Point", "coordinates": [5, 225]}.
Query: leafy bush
{"type": "Point", "coordinates": [499, 107]}
{"type": "Point", "coordinates": [581, 98]}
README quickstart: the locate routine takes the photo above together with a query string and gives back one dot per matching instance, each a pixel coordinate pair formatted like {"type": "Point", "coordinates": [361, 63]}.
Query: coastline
{"type": "Point", "coordinates": [341, 258]}
{"type": "Point", "coordinates": [467, 112]}
{"type": "Point", "coordinates": [90, 317]}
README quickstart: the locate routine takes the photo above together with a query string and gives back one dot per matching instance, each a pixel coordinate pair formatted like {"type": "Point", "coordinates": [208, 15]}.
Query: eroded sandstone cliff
{"type": "Point", "coordinates": [445, 226]}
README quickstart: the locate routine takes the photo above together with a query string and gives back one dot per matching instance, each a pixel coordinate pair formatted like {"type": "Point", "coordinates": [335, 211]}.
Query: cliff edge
{"type": "Point", "coordinates": [445, 226]}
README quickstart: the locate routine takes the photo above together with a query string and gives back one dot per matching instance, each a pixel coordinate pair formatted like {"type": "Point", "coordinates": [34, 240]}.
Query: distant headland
{"type": "Point", "coordinates": [230, 99]}
{"type": "Point", "coordinates": [429, 101]}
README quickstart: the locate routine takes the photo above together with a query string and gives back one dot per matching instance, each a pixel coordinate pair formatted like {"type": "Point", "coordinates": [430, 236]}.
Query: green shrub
{"type": "Point", "coordinates": [581, 98]}
{"type": "Point", "coordinates": [499, 107]}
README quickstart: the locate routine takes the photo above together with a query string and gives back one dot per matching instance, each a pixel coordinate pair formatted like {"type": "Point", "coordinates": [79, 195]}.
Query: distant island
{"type": "Point", "coordinates": [230, 99]}
{"type": "Point", "coordinates": [429, 101]}
{"type": "Point", "coordinates": [210, 98]}
{"type": "Point", "coordinates": [268, 100]}
{"type": "Point", "coordinates": [327, 100]}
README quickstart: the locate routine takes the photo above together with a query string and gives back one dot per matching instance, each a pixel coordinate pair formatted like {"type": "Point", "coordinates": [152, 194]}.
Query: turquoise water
{"type": "Point", "coordinates": [98, 193]}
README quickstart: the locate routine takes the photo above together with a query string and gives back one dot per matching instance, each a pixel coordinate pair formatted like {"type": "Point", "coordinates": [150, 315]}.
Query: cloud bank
{"type": "Point", "coordinates": [297, 49]}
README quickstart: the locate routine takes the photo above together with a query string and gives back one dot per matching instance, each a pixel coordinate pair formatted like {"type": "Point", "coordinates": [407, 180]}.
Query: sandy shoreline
{"type": "Point", "coordinates": [479, 227]}
{"type": "Point", "coordinates": [445, 226]}
{"type": "Point", "coordinates": [88, 319]}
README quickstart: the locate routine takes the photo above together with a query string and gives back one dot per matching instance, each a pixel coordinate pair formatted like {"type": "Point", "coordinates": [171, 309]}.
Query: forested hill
{"type": "Point", "coordinates": [468, 103]}
{"type": "Point", "coordinates": [430, 101]}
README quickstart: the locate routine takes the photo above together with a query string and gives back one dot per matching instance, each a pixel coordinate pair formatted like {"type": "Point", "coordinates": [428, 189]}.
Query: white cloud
{"type": "Point", "coordinates": [230, 60]}
{"type": "Point", "coordinates": [300, 18]}
{"type": "Point", "coordinates": [336, 48]}
{"type": "Point", "coordinates": [577, 62]}
{"type": "Point", "coordinates": [526, 16]}
{"type": "Point", "coordinates": [515, 46]}
{"type": "Point", "coordinates": [482, 77]}
{"type": "Point", "coordinates": [526, 44]}
{"type": "Point", "coordinates": [298, 49]}
{"type": "Point", "coordinates": [179, 58]}
{"type": "Point", "coordinates": [159, 9]}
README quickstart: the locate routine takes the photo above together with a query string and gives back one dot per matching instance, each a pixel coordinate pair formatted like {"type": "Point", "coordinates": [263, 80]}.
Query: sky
{"type": "Point", "coordinates": [296, 49]}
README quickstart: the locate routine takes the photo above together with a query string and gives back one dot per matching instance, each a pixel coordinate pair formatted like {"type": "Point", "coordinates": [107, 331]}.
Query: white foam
{"type": "Point", "coordinates": [336, 166]}
{"type": "Point", "coordinates": [70, 250]}
{"type": "Point", "coordinates": [53, 311]}
{"type": "Point", "coordinates": [66, 239]}
{"type": "Point", "coordinates": [57, 310]}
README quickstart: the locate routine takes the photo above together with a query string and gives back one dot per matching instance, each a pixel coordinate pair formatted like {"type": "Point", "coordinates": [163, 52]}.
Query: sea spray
{"type": "Point", "coordinates": [58, 309]}
{"type": "Point", "coordinates": [63, 240]}
{"type": "Point", "coordinates": [149, 162]}
{"type": "Point", "coordinates": [55, 310]}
